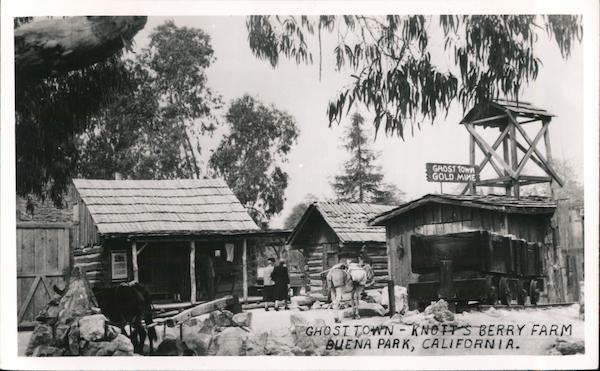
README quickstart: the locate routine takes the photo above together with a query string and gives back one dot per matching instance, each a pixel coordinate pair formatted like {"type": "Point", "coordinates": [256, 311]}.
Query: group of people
{"type": "Point", "coordinates": [276, 281]}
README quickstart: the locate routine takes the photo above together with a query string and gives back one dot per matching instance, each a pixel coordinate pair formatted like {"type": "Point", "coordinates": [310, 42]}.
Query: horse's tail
{"type": "Point", "coordinates": [370, 275]}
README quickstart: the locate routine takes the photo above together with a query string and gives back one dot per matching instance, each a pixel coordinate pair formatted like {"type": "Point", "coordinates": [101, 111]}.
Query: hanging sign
{"type": "Point", "coordinates": [451, 173]}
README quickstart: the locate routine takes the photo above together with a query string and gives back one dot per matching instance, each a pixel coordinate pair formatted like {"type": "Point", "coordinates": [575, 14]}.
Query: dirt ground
{"type": "Point", "coordinates": [489, 325]}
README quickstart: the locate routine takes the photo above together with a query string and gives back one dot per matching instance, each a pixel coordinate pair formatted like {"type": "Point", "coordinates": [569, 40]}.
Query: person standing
{"type": "Point", "coordinates": [268, 284]}
{"type": "Point", "coordinates": [281, 278]}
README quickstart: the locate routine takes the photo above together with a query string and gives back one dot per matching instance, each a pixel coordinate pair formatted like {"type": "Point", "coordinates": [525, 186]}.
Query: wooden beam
{"type": "Point", "coordinates": [548, 152]}
{"type": "Point", "coordinates": [500, 181]}
{"type": "Point", "coordinates": [487, 119]}
{"type": "Point", "coordinates": [514, 158]}
{"type": "Point", "coordinates": [142, 248]}
{"type": "Point", "coordinates": [192, 271]}
{"type": "Point", "coordinates": [533, 157]}
{"type": "Point", "coordinates": [245, 270]}
{"type": "Point", "coordinates": [549, 169]}
{"type": "Point", "coordinates": [487, 149]}
{"type": "Point", "coordinates": [200, 309]}
{"type": "Point", "coordinates": [533, 179]}
{"type": "Point", "coordinates": [532, 147]}
{"type": "Point", "coordinates": [506, 155]}
{"type": "Point", "coordinates": [134, 263]}
{"type": "Point", "coordinates": [471, 185]}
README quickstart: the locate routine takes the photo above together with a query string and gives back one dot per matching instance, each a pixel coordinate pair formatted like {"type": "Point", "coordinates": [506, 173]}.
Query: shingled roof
{"type": "Point", "coordinates": [523, 205]}
{"type": "Point", "coordinates": [495, 112]}
{"type": "Point", "coordinates": [347, 220]}
{"type": "Point", "coordinates": [191, 206]}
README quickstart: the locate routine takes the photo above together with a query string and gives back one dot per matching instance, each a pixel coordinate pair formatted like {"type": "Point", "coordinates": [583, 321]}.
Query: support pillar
{"type": "Point", "coordinates": [506, 155]}
{"type": "Point", "coordinates": [193, 271]}
{"type": "Point", "coordinates": [514, 158]}
{"type": "Point", "coordinates": [472, 160]}
{"type": "Point", "coordinates": [245, 270]}
{"type": "Point", "coordinates": [134, 263]}
{"type": "Point", "coordinates": [548, 156]}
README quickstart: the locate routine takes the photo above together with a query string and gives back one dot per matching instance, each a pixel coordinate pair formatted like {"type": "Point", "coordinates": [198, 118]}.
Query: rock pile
{"type": "Point", "coordinates": [567, 347]}
{"type": "Point", "coordinates": [71, 325]}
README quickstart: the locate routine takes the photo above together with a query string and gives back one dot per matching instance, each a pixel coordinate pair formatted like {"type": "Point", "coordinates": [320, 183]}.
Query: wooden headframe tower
{"type": "Point", "coordinates": [518, 148]}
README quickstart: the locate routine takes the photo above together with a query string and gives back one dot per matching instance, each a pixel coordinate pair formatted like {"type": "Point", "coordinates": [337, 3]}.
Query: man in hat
{"type": "Point", "coordinates": [281, 277]}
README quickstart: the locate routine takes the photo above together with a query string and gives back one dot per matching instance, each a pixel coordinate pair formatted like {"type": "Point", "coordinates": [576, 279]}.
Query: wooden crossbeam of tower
{"type": "Point", "coordinates": [509, 168]}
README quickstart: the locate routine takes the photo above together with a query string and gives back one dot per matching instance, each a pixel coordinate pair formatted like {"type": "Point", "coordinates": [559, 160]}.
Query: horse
{"type": "Point", "coordinates": [351, 279]}
{"type": "Point", "coordinates": [129, 304]}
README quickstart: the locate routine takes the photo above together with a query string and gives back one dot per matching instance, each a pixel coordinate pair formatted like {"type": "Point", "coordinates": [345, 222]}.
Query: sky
{"type": "Point", "coordinates": [318, 155]}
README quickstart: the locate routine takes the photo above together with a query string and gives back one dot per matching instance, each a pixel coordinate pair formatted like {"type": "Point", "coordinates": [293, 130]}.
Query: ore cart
{"type": "Point", "coordinates": [474, 266]}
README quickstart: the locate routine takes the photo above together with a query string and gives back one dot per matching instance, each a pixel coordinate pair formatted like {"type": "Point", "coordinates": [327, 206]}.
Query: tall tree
{"type": "Point", "coordinates": [361, 180]}
{"type": "Point", "coordinates": [57, 96]}
{"type": "Point", "coordinates": [251, 155]}
{"type": "Point", "coordinates": [390, 59]}
{"type": "Point", "coordinates": [153, 131]}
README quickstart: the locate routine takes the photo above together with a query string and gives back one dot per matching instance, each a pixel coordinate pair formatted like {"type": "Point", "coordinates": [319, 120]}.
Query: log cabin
{"type": "Point", "coordinates": [330, 232]}
{"type": "Point", "coordinates": [526, 218]}
{"type": "Point", "coordinates": [166, 234]}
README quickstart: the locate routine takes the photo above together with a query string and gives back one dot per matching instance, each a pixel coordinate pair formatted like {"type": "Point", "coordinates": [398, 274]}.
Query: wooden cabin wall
{"type": "Point", "coordinates": [85, 231]}
{"type": "Point", "coordinates": [440, 219]}
{"type": "Point", "coordinates": [377, 253]}
{"type": "Point", "coordinates": [320, 248]}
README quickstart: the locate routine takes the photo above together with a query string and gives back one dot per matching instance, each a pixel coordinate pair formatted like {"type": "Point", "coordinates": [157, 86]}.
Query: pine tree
{"type": "Point", "coordinates": [362, 180]}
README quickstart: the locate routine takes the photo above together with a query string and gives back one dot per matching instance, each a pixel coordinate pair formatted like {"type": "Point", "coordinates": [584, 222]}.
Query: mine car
{"type": "Point", "coordinates": [476, 266]}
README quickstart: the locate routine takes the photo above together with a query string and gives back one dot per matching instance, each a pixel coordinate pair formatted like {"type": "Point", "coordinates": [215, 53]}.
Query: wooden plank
{"type": "Point", "coordinates": [52, 248]}
{"type": "Point", "coordinates": [549, 169]}
{"type": "Point", "coordinates": [28, 298]}
{"type": "Point", "coordinates": [200, 309]}
{"type": "Point", "coordinates": [19, 237]}
{"type": "Point", "coordinates": [192, 271]}
{"type": "Point", "coordinates": [134, 262]}
{"type": "Point", "coordinates": [245, 270]}
{"type": "Point", "coordinates": [529, 152]}
{"type": "Point", "coordinates": [35, 225]}
{"type": "Point", "coordinates": [488, 150]}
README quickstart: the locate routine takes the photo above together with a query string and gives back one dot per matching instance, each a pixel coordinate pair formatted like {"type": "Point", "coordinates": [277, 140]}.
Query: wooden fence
{"type": "Point", "coordinates": [43, 255]}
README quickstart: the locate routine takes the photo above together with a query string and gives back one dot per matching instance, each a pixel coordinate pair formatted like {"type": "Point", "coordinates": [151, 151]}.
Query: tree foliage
{"type": "Point", "coordinates": [298, 210]}
{"type": "Point", "coordinates": [361, 179]}
{"type": "Point", "coordinates": [51, 112]}
{"type": "Point", "coordinates": [249, 158]}
{"type": "Point", "coordinates": [152, 132]}
{"type": "Point", "coordinates": [391, 63]}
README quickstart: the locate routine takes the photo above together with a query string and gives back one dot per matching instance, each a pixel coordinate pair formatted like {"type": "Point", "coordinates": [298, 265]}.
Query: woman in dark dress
{"type": "Point", "coordinates": [281, 278]}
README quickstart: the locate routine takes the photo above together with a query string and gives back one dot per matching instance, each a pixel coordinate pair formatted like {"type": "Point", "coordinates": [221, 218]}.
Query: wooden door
{"type": "Point", "coordinates": [43, 252]}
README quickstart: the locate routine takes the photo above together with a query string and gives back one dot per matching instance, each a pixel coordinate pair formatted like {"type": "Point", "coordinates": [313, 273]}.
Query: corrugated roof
{"type": "Point", "coordinates": [523, 205]}
{"type": "Point", "coordinates": [349, 221]}
{"type": "Point", "coordinates": [188, 206]}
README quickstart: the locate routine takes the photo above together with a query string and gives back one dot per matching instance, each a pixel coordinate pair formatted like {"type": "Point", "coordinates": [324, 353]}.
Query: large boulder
{"type": "Point", "coordinates": [400, 298]}
{"type": "Point", "coordinates": [49, 314]}
{"type": "Point", "coordinates": [123, 345]}
{"type": "Point", "coordinates": [99, 348]}
{"type": "Point", "coordinates": [47, 351]}
{"type": "Point", "coordinates": [302, 300]}
{"type": "Point", "coordinates": [440, 311]}
{"type": "Point", "coordinates": [373, 296]}
{"type": "Point", "coordinates": [111, 332]}
{"type": "Point", "coordinates": [231, 342]}
{"type": "Point", "coordinates": [366, 310]}
{"type": "Point", "coordinates": [568, 347]}
{"type": "Point", "coordinates": [243, 319]}
{"type": "Point", "coordinates": [222, 318]}
{"type": "Point", "coordinates": [41, 336]}
{"type": "Point", "coordinates": [91, 328]}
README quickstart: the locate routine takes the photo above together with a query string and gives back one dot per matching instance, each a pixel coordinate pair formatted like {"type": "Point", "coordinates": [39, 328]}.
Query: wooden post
{"type": "Point", "coordinates": [513, 157]}
{"type": "Point", "coordinates": [472, 160]}
{"type": "Point", "coordinates": [136, 276]}
{"type": "Point", "coordinates": [548, 155]}
{"type": "Point", "coordinates": [193, 271]}
{"type": "Point", "coordinates": [391, 297]}
{"type": "Point", "coordinates": [446, 282]}
{"type": "Point", "coordinates": [506, 155]}
{"type": "Point", "coordinates": [245, 271]}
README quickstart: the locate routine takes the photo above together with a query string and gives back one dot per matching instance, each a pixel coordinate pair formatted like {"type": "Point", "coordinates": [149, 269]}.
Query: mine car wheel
{"type": "Point", "coordinates": [492, 297]}
{"type": "Point", "coordinates": [505, 294]}
{"type": "Point", "coordinates": [521, 293]}
{"type": "Point", "coordinates": [534, 294]}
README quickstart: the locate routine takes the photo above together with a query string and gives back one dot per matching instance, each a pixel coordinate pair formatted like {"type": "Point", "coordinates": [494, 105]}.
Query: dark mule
{"type": "Point", "coordinates": [129, 304]}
